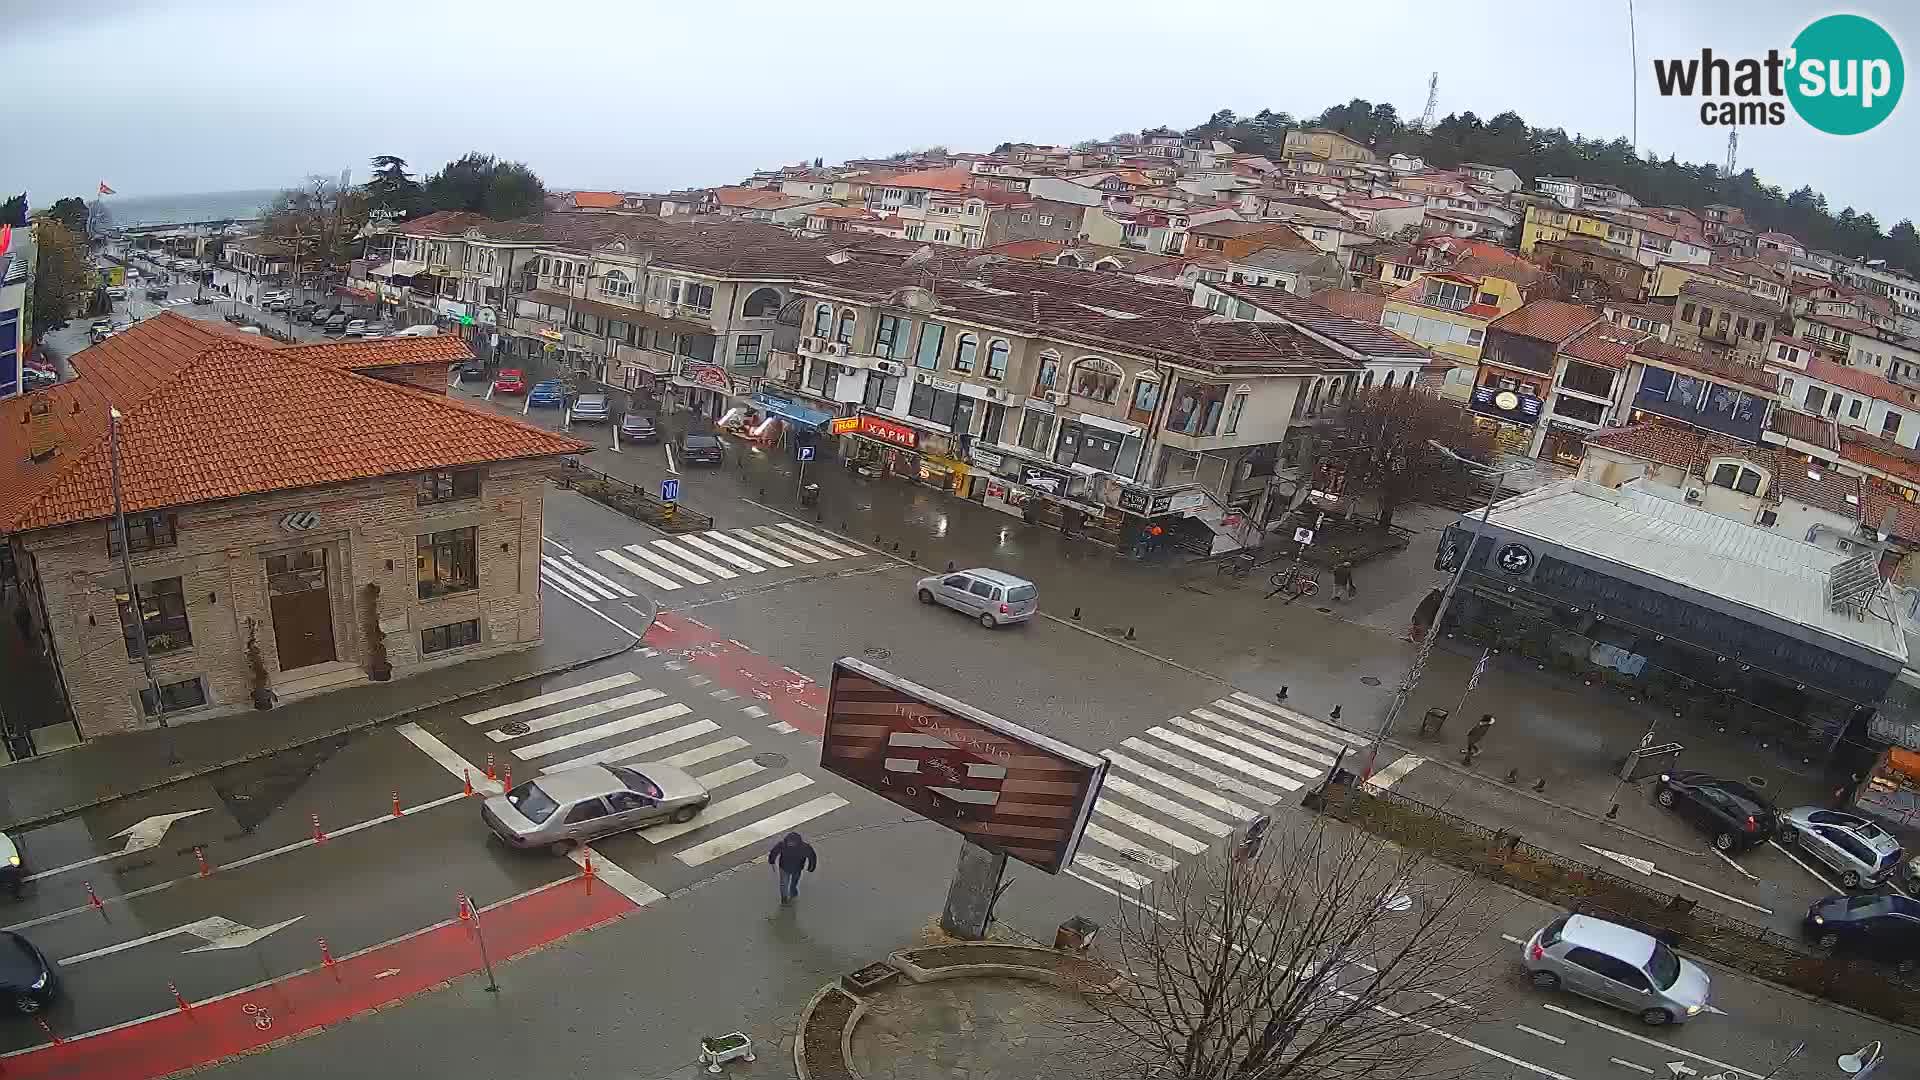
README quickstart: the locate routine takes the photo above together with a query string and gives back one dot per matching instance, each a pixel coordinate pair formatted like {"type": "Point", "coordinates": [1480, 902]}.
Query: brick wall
{"type": "Point", "coordinates": [368, 530]}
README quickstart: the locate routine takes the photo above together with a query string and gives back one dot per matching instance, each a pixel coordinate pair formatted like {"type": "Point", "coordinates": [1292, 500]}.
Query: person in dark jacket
{"type": "Point", "coordinates": [789, 858]}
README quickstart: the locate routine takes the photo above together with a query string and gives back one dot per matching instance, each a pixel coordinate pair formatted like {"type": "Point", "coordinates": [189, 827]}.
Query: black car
{"type": "Point", "coordinates": [1884, 925]}
{"type": "Point", "coordinates": [13, 868]}
{"type": "Point", "coordinates": [700, 449]}
{"type": "Point", "coordinates": [1734, 815]}
{"type": "Point", "coordinates": [638, 427]}
{"type": "Point", "coordinates": [26, 979]}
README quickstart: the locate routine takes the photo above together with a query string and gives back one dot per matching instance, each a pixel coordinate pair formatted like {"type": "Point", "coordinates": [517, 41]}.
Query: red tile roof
{"type": "Point", "coordinates": [1883, 454]}
{"type": "Point", "coordinates": [209, 414]}
{"type": "Point", "coordinates": [931, 179]}
{"type": "Point", "coordinates": [443, 223]}
{"type": "Point", "coordinates": [1707, 363]}
{"type": "Point", "coordinates": [1030, 249]}
{"type": "Point", "coordinates": [1905, 515]}
{"type": "Point", "coordinates": [596, 200]}
{"type": "Point", "coordinates": [1604, 344]}
{"type": "Point", "coordinates": [1805, 427]}
{"type": "Point", "coordinates": [1664, 443]}
{"type": "Point", "coordinates": [1545, 320]}
{"type": "Point", "coordinates": [441, 349]}
{"type": "Point", "coordinates": [1352, 303]}
{"type": "Point", "coordinates": [1860, 381]}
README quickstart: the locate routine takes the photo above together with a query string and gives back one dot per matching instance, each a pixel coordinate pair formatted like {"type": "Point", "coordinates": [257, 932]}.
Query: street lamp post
{"type": "Point", "coordinates": [1404, 692]}
{"type": "Point", "coordinates": [138, 612]}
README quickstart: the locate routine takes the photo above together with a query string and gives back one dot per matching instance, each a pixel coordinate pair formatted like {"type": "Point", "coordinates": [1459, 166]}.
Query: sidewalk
{"type": "Point", "coordinates": [112, 767]}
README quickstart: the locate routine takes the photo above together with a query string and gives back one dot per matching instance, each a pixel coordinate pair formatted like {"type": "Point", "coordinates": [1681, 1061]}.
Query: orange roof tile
{"type": "Point", "coordinates": [441, 349]}
{"type": "Point", "coordinates": [1354, 304]}
{"type": "Point", "coordinates": [932, 179]}
{"type": "Point", "coordinates": [210, 414]}
{"type": "Point", "coordinates": [1664, 443]}
{"type": "Point", "coordinates": [596, 200]}
{"type": "Point", "coordinates": [1860, 381]}
{"type": "Point", "coordinates": [1604, 344]}
{"type": "Point", "coordinates": [1545, 320]}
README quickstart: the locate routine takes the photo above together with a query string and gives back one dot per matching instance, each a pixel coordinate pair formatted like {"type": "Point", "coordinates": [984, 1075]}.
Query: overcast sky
{"type": "Point", "coordinates": [168, 96]}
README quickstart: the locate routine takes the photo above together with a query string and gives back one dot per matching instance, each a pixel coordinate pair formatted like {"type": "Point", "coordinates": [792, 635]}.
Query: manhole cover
{"type": "Point", "coordinates": [770, 760]}
{"type": "Point", "coordinates": [1756, 781]}
{"type": "Point", "coordinates": [514, 727]}
{"type": "Point", "coordinates": [1369, 680]}
{"type": "Point", "coordinates": [877, 653]}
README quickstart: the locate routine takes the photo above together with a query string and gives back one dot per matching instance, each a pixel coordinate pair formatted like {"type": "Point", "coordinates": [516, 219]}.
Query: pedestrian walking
{"type": "Point", "coordinates": [1477, 732]}
{"type": "Point", "coordinates": [1343, 580]}
{"type": "Point", "coordinates": [790, 858]}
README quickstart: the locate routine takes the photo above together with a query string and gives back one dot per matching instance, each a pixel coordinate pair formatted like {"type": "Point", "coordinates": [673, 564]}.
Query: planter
{"type": "Point", "coordinates": [716, 1050]}
{"type": "Point", "coordinates": [380, 671]}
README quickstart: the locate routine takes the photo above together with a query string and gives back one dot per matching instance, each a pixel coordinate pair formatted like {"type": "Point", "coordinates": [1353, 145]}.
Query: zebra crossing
{"type": "Point", "coordinates": [688, 559]}
{"type": "Point", "coordinates": [1196, 779]}
{"type": "Point", "coordinates": [615, 719]}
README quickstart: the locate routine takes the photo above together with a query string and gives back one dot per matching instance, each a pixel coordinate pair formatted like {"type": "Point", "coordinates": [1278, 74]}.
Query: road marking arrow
{"type": "Point", "coordinates": [216, 931]}
{"type": "Point", "coordinates": [1681, 1068]}
{"type": "Point", "coordinates": [142, 835]}
{"type": "Point", "coordinates": [1646, 868]}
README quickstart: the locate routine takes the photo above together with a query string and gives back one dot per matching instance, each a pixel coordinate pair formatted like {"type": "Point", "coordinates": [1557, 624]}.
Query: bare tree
{"type": "Point", "coordinates": [322, 211]}
{"type": "Point", "coordinates": [1383, 447]}
{"type": "Point", "coordinates": [1326, 956]}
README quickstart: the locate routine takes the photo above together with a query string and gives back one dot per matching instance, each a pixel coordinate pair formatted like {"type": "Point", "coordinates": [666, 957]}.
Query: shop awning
{"type": "Point", "coordinates": [815, 419]}
{"type": "Point", "coordinates": [397, 268]}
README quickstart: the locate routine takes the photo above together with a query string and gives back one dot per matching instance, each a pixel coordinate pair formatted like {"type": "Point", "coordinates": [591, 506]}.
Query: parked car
{"type": "Point", "coordinates": [27, 981]}
{"type": "Point", "coordinates": [422, 330]}
{"type": "Point", "coordinates": [336, 323]}
{"type": "Point", "coordinates": [276, 306]}
{"type": "Point", "coordinates": [156, 294]}
{"type": "Point", "coordinates": [116, 292]}
{"type": "Point", "coordinates": [639, 427]}
{"type": "Point", "coordinates": [1862, 853]}
{"type": "Point", "coordinates": [356, 327]}
{"type": "Point", "coordinates": [1616, 965]}
{"type": "Point", "coordinates": [13, 868]}
{"type": "Point", "coordinates": [472, 369]}
{"type": "Point", "coordinates": [100, 331]}
{"type": "Point", "coordinates": [1733, 815]}
{"type": "Point", "coordinates": [575, 806]}
{"type": "Point", "coordinates": [994, 598]}
{"type": "Point", "coordinates": [510, 381]}
{"type": "Point", "coordinates": [38, 378]}
{"type": "Point", "coordinates": [701, 449]}
{"type": "Point", "coordinates": [304, 310]}
{"type": "Point", "coordinates": [377, 329]}
{"type": "Point", "coordinates": [590, 409]}
{"type": "Point", "coordinates": [547, 395]}
{"type": "Point", "coordinates": [1883, 925]}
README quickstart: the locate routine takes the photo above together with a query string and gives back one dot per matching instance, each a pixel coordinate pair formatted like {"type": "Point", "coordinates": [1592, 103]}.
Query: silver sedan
{"type": "Point", "coordinates": [569, 807]}
{"type": "Point", "coordinates": [1860, 852]}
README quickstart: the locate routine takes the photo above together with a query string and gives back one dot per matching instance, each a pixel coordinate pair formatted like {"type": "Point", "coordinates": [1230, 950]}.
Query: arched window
{"type": "Point", "coordinates": [996, 359]}
{"type": "Point", "coordinates": [963, 352]}
{"type": "Point", "coordinates": [845, 336]}
{"type": "Point", "coordinates": [1313, 399]}
{"type": "Point", "coordinates": [1067, 260]}
{"type": "Point", "coordinates": [615, 284]}
{"type": "Point", "coordinates": [1107, 264]}
{"type": "Point", "coordinates": [1366, 383]}
{"type": "Point", "coordinates": [761, 304]}
{"type": "Point", "coordinates": [1047, 375]}
{"type": "Point", "coordinates": [1388, 382]}
{"type": "Point", "coordinates": [1095, 378]}
{"type": "Point", "coordinates": [822, 321]}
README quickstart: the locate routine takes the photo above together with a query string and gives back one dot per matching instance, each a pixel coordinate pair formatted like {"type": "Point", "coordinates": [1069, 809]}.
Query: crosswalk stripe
{"type": "Point", "coordinates": [669, 565]}
{"type": "Point", "coordinates": [1121, 844]}
{"type": "Point", "coordinates": [721, 553]}
{"type": "Point", "coordinates": [690, 558]}
{"type": "Point", "coordinates": [822, 540]}
{"type": "Point", "coordinates": [1112, 871]}
{"type": "Point", "coordinates": [726, 808]}
{"type": "Point", "coordinates": [740, 545]}
{"type": "Point", "coordinates": [784, 552]}
{"type": "Point", "coordinates": [637, 570]}
{"type": "Point", "coordinates": [1265, 776]}
{"type": "Point", "coordinates": [796, 543]}
{"type": "Point", "coordinates": [633, 749]}
{"type": "Point", "coordinates": [1391, 775]}
{"type": "Point", "coordinates": [759, 830]}
{"type": "Point", "coordinates": [1177, 785]}
{"type": "Point", "coordinates": [1291, 731]}
{"type": "Point", "coordinates": [547, 575]}
{"type": "Point", "coordinates": [556, 568]}
{"type": "Point", "coordinates": [602, 731]}
{"type": "Point", "coordinates": [698, 754]}
{"type": "Point", "coordinates": [728, 774]}
{"type": "Point", "coordinates": [552, 697]}
{"type": "Point", "coordinates": [1300, 752]}
{"type": "Point", "coordinates": [580, 712]}
{"type": "Point", "coordinates": [1260, 796]}
{"type": "Point", "coordinates": [1120, 785]}
{"type": "Point", "coordinates": [1296, 717]}
{"type": "Point", "coordinates": [1140, 823]}
{"type": "Point", "coordinates": [1245, 747]}
{"type": "Point", "coordinates": [602, 579]}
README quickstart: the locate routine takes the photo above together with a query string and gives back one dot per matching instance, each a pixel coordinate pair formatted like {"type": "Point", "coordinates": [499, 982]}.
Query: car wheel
{"type": "Point", "coordinates": [562, 848]}
{"type": "Point", "coordinates": [26, 1003]}
{"type": "Point", "coordinates": [1656, 1017]}
{"type": "Point", "coordinates": [1546, 980]}
{"type": "Point", "coordinates": [926, 597]}
{"type": "Point", "coordinates": [1827, 940]}
{"type": "Point", "coordinates": [1850, 879]}
{"type": "Point", "coordinates": [987, 621]}
{"type": "Point", "coordinates": [684, 814]}
{"type": "Point", "coordinates": [1665, 798]}
{"type": "Point", "coordinates": [1724, 841]}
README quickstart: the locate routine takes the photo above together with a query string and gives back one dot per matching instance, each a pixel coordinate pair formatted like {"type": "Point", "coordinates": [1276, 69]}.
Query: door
{"type": "Point", "coordinates": [1620, 983]}
{"type": "Point", "coordinates": [953, 592]}
{"type": "Point", "coordinates": [588, 818]}
{"type": "Point", "coordinates": [302, 608]}
{"type": "Point", "coordinates": [632, 810]}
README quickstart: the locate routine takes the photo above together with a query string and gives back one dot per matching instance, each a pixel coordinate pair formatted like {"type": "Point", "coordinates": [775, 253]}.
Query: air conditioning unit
{"type": "Point", "coordinates": [1058, 397]}
{"type": "Point", "coordinates": [893, 368]}
{"type": "Point", "coordinates": [836, 348]}
{"type": "Point", "coordinates": [807, 344]}
{"type": "Point", "coordinates": [1695, 494]}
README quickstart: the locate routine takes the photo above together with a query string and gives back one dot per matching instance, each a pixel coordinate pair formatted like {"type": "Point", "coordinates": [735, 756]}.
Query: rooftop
{"type": "Point", "coordinates": [1604, 344]}
{"type": "Point", "coordinates": [1366, 338]}
{"type": "Point", "coordinates": [1354, 304]}
{"type": "Point", "coordinates": [951, 179]}
{"type": "Point", "coordinates": [1698, 289]}
{"type": "Point", "coordinates": [1233, 229]}
{"type": "Point", "coordinates": [1707, 363]}
{"type": "Point", "coordinates": [1545, 320]}
{"type": "Point", "coordinates": [1860, 381]}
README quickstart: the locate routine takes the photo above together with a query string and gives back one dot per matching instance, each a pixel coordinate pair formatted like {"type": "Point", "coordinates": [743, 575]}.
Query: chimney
{"type": "Point", "coordinates": [42, 439]}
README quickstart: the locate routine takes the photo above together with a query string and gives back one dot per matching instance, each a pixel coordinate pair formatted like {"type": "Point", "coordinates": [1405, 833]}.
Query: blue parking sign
{"type": "Point", "coordinates": [669, 489]}
{"type": "Point", "coordinates": [806, 453]}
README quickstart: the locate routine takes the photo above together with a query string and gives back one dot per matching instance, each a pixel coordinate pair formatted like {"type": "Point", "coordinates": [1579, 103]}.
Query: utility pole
{"type": "Point", "coordinates": [138, 610]}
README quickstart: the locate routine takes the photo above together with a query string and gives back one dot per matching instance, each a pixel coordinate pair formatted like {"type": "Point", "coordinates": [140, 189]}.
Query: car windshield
{"type": "Point", "coordinates": [701, 441]}
{"type": "Point", "coordinates": [1663, 966]}
{"type": "Point", "coordinates": [636, 781]}
{"type": "Point", "coordinates": [1020, 592]}
{"type": "Point", "coordinates": [534, 804]}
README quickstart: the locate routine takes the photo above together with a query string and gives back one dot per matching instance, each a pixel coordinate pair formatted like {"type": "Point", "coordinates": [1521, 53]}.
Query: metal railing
{"type": "Point", "coordinates": [633, 500]}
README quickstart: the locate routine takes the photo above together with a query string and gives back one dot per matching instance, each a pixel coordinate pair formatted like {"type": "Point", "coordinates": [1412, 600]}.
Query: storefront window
{"type": "Point", "coordinates": [1036, 430]}
{"type": "Point", "coordinates": [1082, 444]}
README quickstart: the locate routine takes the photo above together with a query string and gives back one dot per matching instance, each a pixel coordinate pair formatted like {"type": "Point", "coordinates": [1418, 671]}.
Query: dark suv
{"type": "Point", "coordinates": [1733, 815]}
{"type": "Point", "coordinates": [700, 449]}
{"type": "Point", "coordinates": [1883, 926]}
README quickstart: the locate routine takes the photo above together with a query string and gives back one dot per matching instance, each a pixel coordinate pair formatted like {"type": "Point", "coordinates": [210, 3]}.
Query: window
{"type": "Point", "coordinates": [1449, 294]}
{"type": "Point", "coordinates": [982, 589]}
{"type": "Point", "coordinates": [163, 615]}
{"type": "Point", "coordinates": [1816, 399]}
{"type": "Point", "coordinates": [1759, 331]}
{"type": "Point", "coordinates": [148, 532]}
{"type": "Point", "coordinates": [1768, 519]}
{"type": "Point", "coordinates": [890, 336]}
{"type": "Point", "coordinates": [1740, 328]}
{"type": "Point", "coordinates": [1146, 395]}
{"type": "Point", "coordinates": [996, 359]}
{"type": "Point", "coordinates": [1096, 379]}
{"type": "Point", "coordinates": [697, 296]}
{"type": "Point", "coordinates": [451, 636]}
{"type": "Point", "coordinates": [1036, 429]}
{"type": "Point", "coordinates": [746, 350]}
{"type": "Point", "coordinates": [1049, 373]}
{"type": "Point", "coordinates": [174, 696]}
{"type": "Point", "coordinates": [1589, 412]}
{"type": "Point", "coordinates": [822, 321]}
{"type": "Point", "coordinates": [1239, 405]}
{"type": "Point", "coordinates": [446, 563]}
{"type": "Point", "coordinates": [880, 391]}
{"type": "Point", "coordinates": [942, 236]}
{"type": "Point", "coordinates": [1891, 425]}
{"type": "Point", "coordinates": [616, 285]}
{"type": "Point", "coordinates": [1853, 409]}
{"type": "Point", "coordinates": [845, 336]}
{"type": "Point", "coordinates": [1402, 272]}
{"type": "Point", "coordinates": [588, 810]}
{"type": "Point", "coordinates": [1046, 219]}
{"type": "Point", "coordinates": [932, 336]}
{"type": "Point", "coordinates": [820, 375]}
{"type": "Point", "coordinates": [937, 406]}
{"type": "Point", "coordinates": [1025, 218]}
{"type": "Point", "coordinates": [1587, 379]}
{"type": "Point", "coordinates": [1319, 234]}
{"type": "Point", "coordinates": [761, 304]}
{"type": "Point", "coordinates": [963, 352]}
{"type": "Point", "coordinates": [1489, 299]}
{"type": "Point", "coordinates": [1476, 335]}
{"type": "Point", "coordinates": [1686, 313]}
{"type": "Point", "coordinates": [1732, 475]}
{"type": "Point", "coordinates": [449, 485]}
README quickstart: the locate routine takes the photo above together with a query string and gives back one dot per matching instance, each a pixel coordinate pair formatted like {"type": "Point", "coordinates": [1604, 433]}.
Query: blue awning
{"type": "Point", "coordinates": [799, 414]}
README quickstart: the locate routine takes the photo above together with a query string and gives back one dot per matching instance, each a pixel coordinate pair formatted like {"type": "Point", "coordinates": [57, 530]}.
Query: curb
{"type": "Point", "coordinates": [800, 1069]}
{"type": "Point", "coordinates": [344, 729]}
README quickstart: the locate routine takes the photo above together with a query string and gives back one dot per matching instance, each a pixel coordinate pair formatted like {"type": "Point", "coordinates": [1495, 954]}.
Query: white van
{"type": "Point", "coordinates": [423, 330]}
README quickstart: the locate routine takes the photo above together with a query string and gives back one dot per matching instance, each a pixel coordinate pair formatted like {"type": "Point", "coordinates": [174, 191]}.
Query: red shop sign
{"type": "Point", "coordinates": [886, 431]}
{"type": "Point", "coordinates": [712, 378]}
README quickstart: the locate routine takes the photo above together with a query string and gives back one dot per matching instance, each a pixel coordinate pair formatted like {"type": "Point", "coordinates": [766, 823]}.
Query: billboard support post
{"type": "Point", "coordinates": [976, 885]}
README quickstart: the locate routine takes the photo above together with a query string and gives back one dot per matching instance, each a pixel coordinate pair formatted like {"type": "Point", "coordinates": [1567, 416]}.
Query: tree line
{"type": "Point", "coordinates": [325, 218]}
{"type": "Point", "coordinates": [1508, 140]}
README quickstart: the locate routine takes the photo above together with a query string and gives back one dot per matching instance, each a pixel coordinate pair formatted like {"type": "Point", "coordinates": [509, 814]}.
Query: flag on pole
{"type": "Point", "coordinates": [104, 189]}
{"type": "Point", "coordinates": [6, 238]}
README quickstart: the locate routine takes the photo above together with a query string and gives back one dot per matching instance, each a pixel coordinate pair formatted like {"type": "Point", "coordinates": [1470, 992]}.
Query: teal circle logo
{"type": "Point", "coordinates": [1846, 76]}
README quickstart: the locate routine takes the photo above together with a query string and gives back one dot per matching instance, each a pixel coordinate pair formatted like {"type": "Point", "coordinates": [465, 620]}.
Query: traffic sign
{"type": "Point", "coordinates": [806, 453]}
{"type": "Point", "coordinates": [1303, 536]}
{"type": "Point", "coordinates": [670, 489]}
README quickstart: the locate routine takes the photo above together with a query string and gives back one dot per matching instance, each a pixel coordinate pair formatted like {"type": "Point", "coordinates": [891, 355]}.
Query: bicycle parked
{"type": "Point", "coordinates": [1296, 581]}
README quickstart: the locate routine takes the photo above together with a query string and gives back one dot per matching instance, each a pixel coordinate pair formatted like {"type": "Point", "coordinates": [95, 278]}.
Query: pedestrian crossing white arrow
{"type": "Point", "coordinates": [218, 932]}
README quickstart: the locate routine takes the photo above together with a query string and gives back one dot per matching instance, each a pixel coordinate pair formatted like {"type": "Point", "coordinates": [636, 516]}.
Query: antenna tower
{"type": "Point", "coordinates": [1433, 101]}
{"type": "Point", "coordinates": [1733, 149]}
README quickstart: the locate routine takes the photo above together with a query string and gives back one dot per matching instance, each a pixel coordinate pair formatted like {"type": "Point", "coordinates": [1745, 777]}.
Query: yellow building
{"type": "Point", "coordinates": [1325, 144]}
{"type": "Point", "coordinates": [1553, 223]}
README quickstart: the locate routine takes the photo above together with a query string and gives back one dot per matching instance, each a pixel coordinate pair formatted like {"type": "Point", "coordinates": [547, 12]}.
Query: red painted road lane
{"type": "Point", "coordinates": [787, 695]}
{"type": "Point", "coordinates": [298, 1004]}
